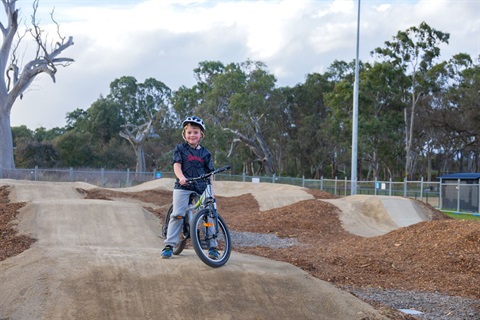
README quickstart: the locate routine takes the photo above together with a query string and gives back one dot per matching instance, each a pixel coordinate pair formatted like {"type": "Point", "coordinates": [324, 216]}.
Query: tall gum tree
{"type": "Point", "coordinates": [240, 98]}
{"type": "Point", "coordinates": [455, 117]}
{"type": "Point", "coordinates": [414, 52]}
{"type": "Point", "coordinates": [15, 78]}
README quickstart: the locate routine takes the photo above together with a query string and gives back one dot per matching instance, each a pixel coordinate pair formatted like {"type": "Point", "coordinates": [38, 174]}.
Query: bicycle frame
{"type": "Point", "coordinates": [205, 200]}
{"type": "Point", "coordinates": [204, 226]}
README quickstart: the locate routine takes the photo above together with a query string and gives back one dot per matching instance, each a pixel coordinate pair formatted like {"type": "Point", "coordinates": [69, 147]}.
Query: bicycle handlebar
{"type": "Point", "coordinates": [207, 175]}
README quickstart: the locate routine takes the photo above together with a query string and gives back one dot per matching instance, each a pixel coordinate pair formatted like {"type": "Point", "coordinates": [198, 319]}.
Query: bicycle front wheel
{"type": "Point", "coordinates": [182, 241]}
{"type": "Point", "coordinates": [204, 237]}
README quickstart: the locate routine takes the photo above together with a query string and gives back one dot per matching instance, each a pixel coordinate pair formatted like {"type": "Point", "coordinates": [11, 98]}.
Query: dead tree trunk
{"type": "Point", "coordinates": [15, 79]}
{"type": "Point", "coordinates": [137, 136]}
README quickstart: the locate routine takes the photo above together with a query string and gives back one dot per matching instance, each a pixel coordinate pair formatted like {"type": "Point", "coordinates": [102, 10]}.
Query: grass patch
{"type": "Point", "coordinates": [463, 216]}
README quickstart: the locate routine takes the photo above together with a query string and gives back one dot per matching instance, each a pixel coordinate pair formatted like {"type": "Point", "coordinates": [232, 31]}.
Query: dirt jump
{"type": "Point", "coordinates": [100, 259]}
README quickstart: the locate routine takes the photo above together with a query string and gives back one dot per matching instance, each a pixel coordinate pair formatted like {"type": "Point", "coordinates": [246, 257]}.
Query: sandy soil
{"type": "Point", "coordinates": [96, 254]}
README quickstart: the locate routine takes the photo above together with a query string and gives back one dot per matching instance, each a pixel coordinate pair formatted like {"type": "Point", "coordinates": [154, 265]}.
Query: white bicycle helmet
{"type": "Point", "coordinates": [194, 120]}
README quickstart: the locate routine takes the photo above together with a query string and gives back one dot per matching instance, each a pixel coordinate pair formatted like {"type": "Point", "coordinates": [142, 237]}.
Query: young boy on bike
{"type": "Point", "coordinates": [190, 160]}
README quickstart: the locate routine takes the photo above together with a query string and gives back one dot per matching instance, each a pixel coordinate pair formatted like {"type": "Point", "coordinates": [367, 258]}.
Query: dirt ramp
{"type": "Point", "coordinates": [370, 216]}
{"type": "Point", "coordinates": [81, 222]}
{"type": "Point", "coordinates": [30, 191]}
{"type": "Point", "coordinates": [267, 195]}
{"type": "Point", "coordinates": [94, 283]}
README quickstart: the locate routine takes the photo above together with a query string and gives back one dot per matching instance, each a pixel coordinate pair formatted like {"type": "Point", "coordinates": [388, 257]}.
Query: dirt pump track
{"type": "Point", "coordinates": [97, 256]}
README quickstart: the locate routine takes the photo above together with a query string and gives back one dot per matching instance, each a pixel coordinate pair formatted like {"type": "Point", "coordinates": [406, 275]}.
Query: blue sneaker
{"type": "Point", "coordinates": [213, 253]}
{"type": "Point", "coordinates": [167, 252]}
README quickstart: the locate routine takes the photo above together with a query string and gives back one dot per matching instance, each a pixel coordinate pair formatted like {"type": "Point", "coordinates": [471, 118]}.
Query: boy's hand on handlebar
{"type": "Point", "coordinates": [183, 181]}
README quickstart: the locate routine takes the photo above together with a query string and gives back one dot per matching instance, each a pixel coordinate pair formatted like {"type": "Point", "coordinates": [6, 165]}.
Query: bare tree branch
{"type": "Point", "coordinates": [15, 79]}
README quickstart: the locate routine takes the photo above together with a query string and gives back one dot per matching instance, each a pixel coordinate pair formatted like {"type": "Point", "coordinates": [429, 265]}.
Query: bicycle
{"type": "Point", "coordinates": [203, 217]}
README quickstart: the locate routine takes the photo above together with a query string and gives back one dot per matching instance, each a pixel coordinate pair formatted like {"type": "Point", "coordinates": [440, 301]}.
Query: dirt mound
{"type": "Point", "coordinates": [369, 216]}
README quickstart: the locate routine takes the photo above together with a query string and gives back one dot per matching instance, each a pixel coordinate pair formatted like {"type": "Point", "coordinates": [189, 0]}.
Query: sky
{"type": "Point", "coordinates": [167, 39]}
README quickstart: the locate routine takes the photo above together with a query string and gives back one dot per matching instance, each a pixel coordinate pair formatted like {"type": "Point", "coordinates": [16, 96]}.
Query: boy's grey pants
{"type": "Point", "coordinates": [180, 205]}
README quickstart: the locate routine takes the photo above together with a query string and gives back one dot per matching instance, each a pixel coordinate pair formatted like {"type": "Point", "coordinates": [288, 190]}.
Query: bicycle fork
{"type": "Point", "coordinates": [211, 221]}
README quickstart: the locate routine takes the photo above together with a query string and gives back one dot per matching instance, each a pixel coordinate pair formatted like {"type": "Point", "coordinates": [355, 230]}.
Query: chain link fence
{"type": "Point", "coordinates": [426, 191]}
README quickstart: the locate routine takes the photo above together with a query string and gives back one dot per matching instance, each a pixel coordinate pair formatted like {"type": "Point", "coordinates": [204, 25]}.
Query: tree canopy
{"type": "Point", "coordinates": [418, 117]}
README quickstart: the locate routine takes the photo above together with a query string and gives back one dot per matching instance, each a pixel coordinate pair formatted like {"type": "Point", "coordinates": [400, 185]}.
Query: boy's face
{"type": "Point", "coordinates": [192, 135]}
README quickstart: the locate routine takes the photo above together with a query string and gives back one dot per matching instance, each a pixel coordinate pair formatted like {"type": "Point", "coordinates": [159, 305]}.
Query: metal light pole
{"type": "Point", "coordinates": [353, 186]}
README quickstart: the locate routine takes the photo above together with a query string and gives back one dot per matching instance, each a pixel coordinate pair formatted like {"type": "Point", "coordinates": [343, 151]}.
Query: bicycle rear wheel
{"type": "Point", "coordinates": [204, 236]}
{"type": "Point", "coordinates": [182, 241]}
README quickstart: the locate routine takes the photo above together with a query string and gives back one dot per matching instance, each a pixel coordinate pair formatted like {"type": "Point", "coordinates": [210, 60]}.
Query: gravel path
{"type": "Point", "coordinates": [420, 305]}
{"type": "Point", "coordinates": [250, 239]}
{"type": "Point", "coordinates": [433, 306]}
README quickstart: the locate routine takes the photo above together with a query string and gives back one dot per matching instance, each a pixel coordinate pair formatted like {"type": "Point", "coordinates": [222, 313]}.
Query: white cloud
{"type": "Point", "coordinates": [383, 7]}
{"type": "Point", "coordinates": [166, 39]}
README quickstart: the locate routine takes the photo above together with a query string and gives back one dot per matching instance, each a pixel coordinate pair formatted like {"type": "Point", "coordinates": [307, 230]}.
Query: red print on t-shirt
{"type": "Point", "coordinates": [194, 158]}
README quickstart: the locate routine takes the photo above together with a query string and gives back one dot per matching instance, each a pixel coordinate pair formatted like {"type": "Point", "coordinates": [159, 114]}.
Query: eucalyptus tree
{"type": "Point", "coordinates": [47, 135]}
{"type": "Point", "coordinates": [464, 98]}
{"type": "Point", "coordinates": [91, 138]}
{"type": "Point", "coordinates": [469, 91]}
{"type": "Point", "coordinates": [139, 104]}
{"type": "Point", "coordinates": [77, 119]}
{"type": "Point", "coordinates": [456, 113]}
{"type": "Point", "coordinates": [380, 121]}
{"type": "Point", "coordinates": [104, 120]}
{"type": "Point", "coordinates": [75, 149]}
{"type": "Point", "coordinates": [15, 78]}
{"type": "Point", "coordinates": [241, 99]}
{"type": "Point", "coordinates": [338, 127]}
{"type": "Point", "coordinates": [413, 51]}
{"type": "Point", "coordinates": [310, 143]}
{"type": "Point", "coordinates": [22, 132]}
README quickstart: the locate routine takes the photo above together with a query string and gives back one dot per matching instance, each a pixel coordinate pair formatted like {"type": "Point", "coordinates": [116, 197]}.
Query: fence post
{"type": "Point", "coordinates": [440, 195]}
{"type": "Point", "coordinates": [35, 175]}
{"type": "Point", "coordinates": [71, 174]}
{"type": "Point", "coordinates": [390, 187]}
{"type": "Point", "coordinates": [375, 186]}
{"type": "Point", "coordinates": [478, 202]}
{"type": "Point", "coordinates": [243, 177]}
{"type": "Point", "coordinates": [127, 183]}
{"type": "Point", "coordinates": [421, 189]}
{"type": "Point", "coordinates": [336, 179]}
{"type": "Point", "coordinates": [458, 195]}
{"type": "Point", "coordinates": [273, 178]}
{"type": "Point", "coordinates": [405, 187]}
{"type": "Point", "coordinates": [345, 186]}
{"type": "Point", "coordinates": [303, 181]}
{"type": "Point", "coordinates": [102, 177]}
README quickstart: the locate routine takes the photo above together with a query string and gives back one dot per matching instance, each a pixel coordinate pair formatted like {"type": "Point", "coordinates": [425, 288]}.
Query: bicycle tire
{"type": "Point", "coordinates": [178, 248]}
{"type": "Point", "coordinates": [224, 244]}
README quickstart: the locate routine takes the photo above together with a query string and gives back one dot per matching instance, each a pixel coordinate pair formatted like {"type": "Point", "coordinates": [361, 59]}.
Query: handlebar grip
{"type": "Point", "coordinates": [223, 169]}
{"type": "Point", "coordinates": [206, 175]}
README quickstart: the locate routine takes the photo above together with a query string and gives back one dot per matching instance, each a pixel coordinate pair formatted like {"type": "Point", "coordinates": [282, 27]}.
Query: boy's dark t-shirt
{"type": "Point", "coordinates": [195, 162]}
